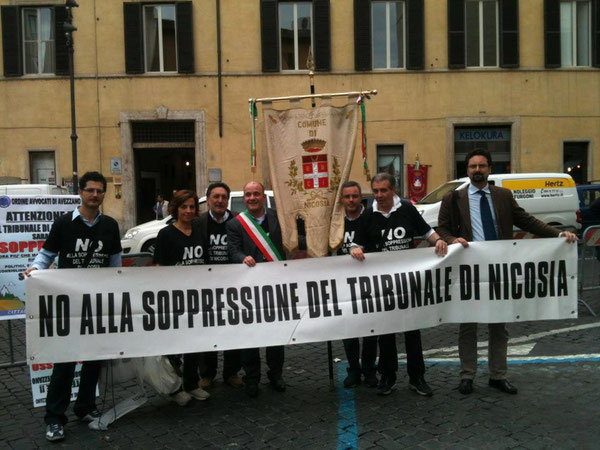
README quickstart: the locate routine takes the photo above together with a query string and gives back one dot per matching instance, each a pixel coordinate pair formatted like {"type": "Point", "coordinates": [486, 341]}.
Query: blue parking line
{"type": "Point", "coordinates": [347, 428]}
{"type": "Point", "coordinates": [540, 360]}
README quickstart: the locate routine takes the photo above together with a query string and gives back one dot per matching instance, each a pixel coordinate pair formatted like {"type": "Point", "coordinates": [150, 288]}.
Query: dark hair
{"type": "Point", "coordinates": [179, 198]}
{"type": "Point", "coordinates": [479, 152]}
{"type": "Point", "coordinates": [217, 185]}
{"type": "Point", "coordinates": [384, 176]}
{"type": "Point", "coordinates": [349, 184]}
{"type": "Point", "coordinates": [92, 176]}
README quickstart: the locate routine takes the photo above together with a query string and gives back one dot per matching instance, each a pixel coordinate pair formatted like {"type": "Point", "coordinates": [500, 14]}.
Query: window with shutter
{"type": "Point", "coordinates": [388, 22]}
{"type": "Point", "coordinates": [388, 34]}
{"type": "Point", "coordinates": [294, 31]}
{"type": "Point", "coordinates": [159, 37]}
{"type": "Point", "coordinates": [481, 33]}
{"type": "Point", "coordinates": [33, 41]}
{"type": "Point", "coordinates": [575, 33]}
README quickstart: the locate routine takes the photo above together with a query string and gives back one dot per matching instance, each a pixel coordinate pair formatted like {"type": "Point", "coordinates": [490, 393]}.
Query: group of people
{"type": "Point", "coordinates": [220, 236]}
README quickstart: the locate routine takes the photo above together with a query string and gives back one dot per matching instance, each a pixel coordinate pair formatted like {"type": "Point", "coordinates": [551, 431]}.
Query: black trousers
{"type": "Point", "coordinates": [232, 363]}
{"type": "Point", "coordinates": [388, 355]}
{"type": "Point", "coordinates": [368, 356]}
{"type": "Point", "coordinates": [59, 391]}
{"type": "Point", "coordinates": [191, 365]}
{"type": "Point", "coordinates": [251, 363]}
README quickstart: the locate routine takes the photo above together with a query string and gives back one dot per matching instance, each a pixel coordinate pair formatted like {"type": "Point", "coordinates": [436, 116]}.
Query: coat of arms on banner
{"type": "Point", "coordinates": [314, 171]}
{"type": "Point", "coordinates": [310, 152]}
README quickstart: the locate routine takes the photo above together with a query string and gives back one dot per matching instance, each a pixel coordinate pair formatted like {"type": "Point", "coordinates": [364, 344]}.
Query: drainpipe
{"type": "Point", "coordinates": [219, 74]}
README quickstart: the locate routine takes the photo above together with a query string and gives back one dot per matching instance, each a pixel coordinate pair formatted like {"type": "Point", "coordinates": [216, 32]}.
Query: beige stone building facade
{"type": "Point", "coordinates": [162, 88]}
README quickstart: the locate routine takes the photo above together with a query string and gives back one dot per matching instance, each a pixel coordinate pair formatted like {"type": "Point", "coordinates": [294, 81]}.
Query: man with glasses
{"type": "Point", "coordinates": [85, 238]}
{"type": "Point", "coordinates": [484, 212]}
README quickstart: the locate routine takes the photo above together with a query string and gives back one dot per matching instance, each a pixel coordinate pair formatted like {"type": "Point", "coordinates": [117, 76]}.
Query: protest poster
{"type": "Point", "coordinates": [86, 314]}
{"type": "Point", "coordinates": [40, 379]}
{"type": "Point", "coordinates": [25, 222]}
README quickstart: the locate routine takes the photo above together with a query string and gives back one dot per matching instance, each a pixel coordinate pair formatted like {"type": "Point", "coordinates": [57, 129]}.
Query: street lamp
{"type": "Point", "coordinates": [68, 28]}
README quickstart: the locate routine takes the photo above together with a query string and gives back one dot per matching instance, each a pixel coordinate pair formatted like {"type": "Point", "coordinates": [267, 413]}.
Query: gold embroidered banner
{"type": "Point", "coordinates": [310, 154]}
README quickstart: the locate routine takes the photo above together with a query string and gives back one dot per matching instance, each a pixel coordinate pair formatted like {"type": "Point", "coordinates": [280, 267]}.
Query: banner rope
{"type": "Point", "coordinates": [360, 101]}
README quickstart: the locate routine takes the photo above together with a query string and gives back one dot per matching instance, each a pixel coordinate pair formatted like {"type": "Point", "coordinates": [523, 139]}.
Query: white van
{"type": "Point", "coordinates": [32, 189]}
{"type": "Point", "coordinates": [550, 197]}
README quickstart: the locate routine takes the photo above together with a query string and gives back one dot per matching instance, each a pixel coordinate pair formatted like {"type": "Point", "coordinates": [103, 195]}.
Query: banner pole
{"type": "Point", "coordinates": [311, 66]}
{"type": "Point", "coordinates": [301, 97]}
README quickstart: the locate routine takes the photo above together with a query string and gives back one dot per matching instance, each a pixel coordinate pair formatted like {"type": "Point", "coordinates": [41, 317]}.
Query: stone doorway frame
{"type": "Point", "coordinates": [162, 113]}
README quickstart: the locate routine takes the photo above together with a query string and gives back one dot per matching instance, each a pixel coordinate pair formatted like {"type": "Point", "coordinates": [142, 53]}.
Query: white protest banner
{"type": "Point", "coordinates": [40, 379]}
{"type": "Point", "coordinates": [25, 222]}
{"type": "Point", "coordinates": [83, 314]}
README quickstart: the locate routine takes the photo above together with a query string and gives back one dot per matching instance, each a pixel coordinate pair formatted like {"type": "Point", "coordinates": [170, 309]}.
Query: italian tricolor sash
{"type": "Point", "coordinates": [259, 237]}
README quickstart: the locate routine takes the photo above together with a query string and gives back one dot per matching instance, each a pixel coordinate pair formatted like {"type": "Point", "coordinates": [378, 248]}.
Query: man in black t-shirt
{"type": "Point", "coordinates": [84, 238]}
{"type": "Point", "coordinates": [355, 216]}
{"type": "Point", "coordinates": [213, 222]}
{"type": "Point", "coordinates": [393, 225]}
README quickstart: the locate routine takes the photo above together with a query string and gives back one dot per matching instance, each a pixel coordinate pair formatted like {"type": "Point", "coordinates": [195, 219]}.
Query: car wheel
{"type": "Point", "coordinates": [148, 247]}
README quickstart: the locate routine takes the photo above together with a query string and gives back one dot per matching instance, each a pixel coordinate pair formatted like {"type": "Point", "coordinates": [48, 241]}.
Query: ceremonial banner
{"type": "Point", "coordinates": [417, 182]}
{"type": "Point", "coordinates": [86, 314]}
{"type": "Point", "coordinates": [310, 154]}
{"type": "Point", "coordinates": [25, 222]}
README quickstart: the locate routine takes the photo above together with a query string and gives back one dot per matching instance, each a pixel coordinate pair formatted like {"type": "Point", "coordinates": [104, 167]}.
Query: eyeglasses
{"type": "Point", "coordinates": [93, 191]}
{"type": "Point", "coordinates": [477, 166]}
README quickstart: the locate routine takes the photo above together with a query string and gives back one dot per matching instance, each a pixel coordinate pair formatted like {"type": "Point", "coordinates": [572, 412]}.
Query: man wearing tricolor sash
{"type": "Point", "coordinates": [254, 236]}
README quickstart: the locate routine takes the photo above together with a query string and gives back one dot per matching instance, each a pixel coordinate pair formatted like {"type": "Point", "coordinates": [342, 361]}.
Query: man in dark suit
{"type": "Point", "coordinates": [257, 225]}
{"type": "Point", "coordinates": [213, 223]}
{"type": "Point", "coordinates": [484, 212]}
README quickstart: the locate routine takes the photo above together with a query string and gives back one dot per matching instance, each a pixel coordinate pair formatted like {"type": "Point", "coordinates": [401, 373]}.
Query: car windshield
{"type": "Point", "coordinates": [237, 203]}
{"type": "Point", "coordinates": [438, 194]}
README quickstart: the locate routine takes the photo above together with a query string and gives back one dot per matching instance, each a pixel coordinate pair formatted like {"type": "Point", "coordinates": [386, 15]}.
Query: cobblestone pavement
{"type": "Point", "coordinates": [558, 404]}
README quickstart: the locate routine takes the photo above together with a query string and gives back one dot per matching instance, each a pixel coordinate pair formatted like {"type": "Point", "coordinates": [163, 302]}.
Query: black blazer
{"type": "Point", "coordinates": [240, 245]}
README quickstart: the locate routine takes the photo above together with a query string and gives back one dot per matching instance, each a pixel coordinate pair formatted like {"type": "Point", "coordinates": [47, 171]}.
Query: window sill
{"type": "Point", "coordinates": [41, 75]}
{"type": "Point", "coordinates": [295, 72]}
{"type": "Point", "coordinates": [391, 69]}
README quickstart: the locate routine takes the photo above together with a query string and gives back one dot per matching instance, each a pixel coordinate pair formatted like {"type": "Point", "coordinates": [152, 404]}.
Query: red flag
{"type": "Point", "coordinates": [417, 182]}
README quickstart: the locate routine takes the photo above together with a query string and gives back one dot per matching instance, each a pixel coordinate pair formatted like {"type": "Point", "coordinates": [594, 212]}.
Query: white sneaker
{"type": "Point", "coordinates": [182, 398]}
{"type": "Point", "coordinates": [199, 394]}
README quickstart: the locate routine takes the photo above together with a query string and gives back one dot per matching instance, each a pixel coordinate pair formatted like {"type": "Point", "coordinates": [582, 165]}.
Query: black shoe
{"type": "Point", "coordinates": [385, 386]}
{"type": "Point", "coordinates": [352, 380]}
{"type": "Point", "coordinates": [466, 386]}
{"type": "Point", "coordinates": [251, 389]}
{"type": "Point", "coordinates": [55, 432]}
{"type": "Point", "coordinates": [371, 379]}
{"type": "Point", "coordinates": [278, 385]}
{"type": "Point", "coordinates": [421, 387]}
{"type": "Point", "coordinates": [504, 386]}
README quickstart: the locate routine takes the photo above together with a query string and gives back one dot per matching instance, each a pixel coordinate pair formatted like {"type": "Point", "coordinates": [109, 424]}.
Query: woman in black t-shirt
{"type": "Point", "coordinates": [183, 243]}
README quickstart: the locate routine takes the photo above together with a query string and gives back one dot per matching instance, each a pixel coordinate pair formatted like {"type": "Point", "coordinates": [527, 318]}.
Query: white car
{"type": "Point", "coordinates": [142, 238]}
